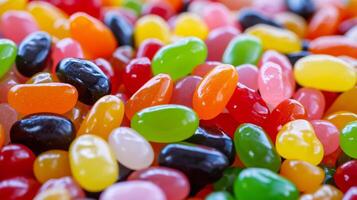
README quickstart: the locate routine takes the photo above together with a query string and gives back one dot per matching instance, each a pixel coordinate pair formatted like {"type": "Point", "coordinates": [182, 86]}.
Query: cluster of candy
{"type": "Point", "coordinates": [178, 99]}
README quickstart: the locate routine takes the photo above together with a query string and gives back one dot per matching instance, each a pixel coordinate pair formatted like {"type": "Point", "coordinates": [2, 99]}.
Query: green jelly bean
{"type": "Point", "coordinates": [226, 181]}
{"type": "Point", "coordinates": [8, 51]}
{"type": "Point", "coordinates": [179, 58]}
{"type": "Point", "coordinates": [243, 49]}
{"type": "Point", "coordinates": [259, 183]}
{"type": "Point", "coordinates": [133, 5]}
{"type": "Point", "coordinates": [165, 123]}
{"type": "Point", "coordinates": [348, 139]}
{"type": "Point", "coordinates": [219, 195]}
{"type": "Point", "coordinates": [254, 147]}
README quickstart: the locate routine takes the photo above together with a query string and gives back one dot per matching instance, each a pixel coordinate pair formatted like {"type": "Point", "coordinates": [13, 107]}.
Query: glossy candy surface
{"type": "Point", "coordinates": [136, 74]}
{"type": "Point", "coordinates": [184, 89]}
{"type": "Point", "coordinates": [345, 176]}
{"type": "Point", "coordinates": [121, 28]}
{"type": "Point", "coordinates": [19, 188]}
{"type": "Point", "coordinates": [348, 138]}
{"type": "Point", "coordinates": [189, 24]}
{"type": "Point", "coordinates": [8, 52]}
{"type": "Point", "coordinates": [151, 26]}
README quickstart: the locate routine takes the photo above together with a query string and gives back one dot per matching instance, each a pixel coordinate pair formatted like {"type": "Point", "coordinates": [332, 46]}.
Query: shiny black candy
{"type": "Point", "coordinates": [33, 53]}
{"type": "Point", "coordinates": [248, 18]}
{"type": "Point", "coordinates": [215, 138]}
{"type": "Point", "coordinates": [43, 131]}
{"type": "Point", "coordinates": [90, 82]}
{"type": "Point", "coordinates": [294, 57]}
{"type": "Point", "coordinates": [121, 28]}
{"type": "Point", "coordinates": [304, 8]}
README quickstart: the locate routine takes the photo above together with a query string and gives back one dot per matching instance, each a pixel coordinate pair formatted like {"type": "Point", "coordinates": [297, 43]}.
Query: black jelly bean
{"type": "Point", "coordinates": [248, 18]}
{"type": "Point", "coordinates": [34, 53]}
{"type": "Point", "coordinates": [43, 131]}
{"type": "Point", "coordinates": [215, 138]}
{"type": "Point", "coordinates": [294, 57]}
{"type": "Point", "coordinates": [202, 165]}
{"type": "Point", "coordinates": [121, 28]}
{"type": "Point", "coordinates": [304, 8]}
{"type": "Point", "coordinates": [305, 45]}
{"type": "Point", "coordinates": [90, 82]}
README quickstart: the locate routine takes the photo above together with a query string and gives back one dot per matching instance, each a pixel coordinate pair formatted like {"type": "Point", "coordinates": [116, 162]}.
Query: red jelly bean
{"type": "Point", "coordinates": [91, 7]}
{"type": "Point", "coordinates": [148, 48]}
{"type": "Point", "coordinates": [20, 188]}
{"type": "Point", "coordinates": [184, 89]}
{"type": "Point", "coordinates": [108, 70]}
{"type": "Point", "coordinates": [160, 8]}
{"type": "Point", "coordinates": [346, 175]}
{"type": "Point", "coordinates": [203, 69]}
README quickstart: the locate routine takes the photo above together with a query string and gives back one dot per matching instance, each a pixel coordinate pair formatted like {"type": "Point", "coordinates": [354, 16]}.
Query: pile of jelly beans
{"type": "Point", "coordinates": [178, 99]}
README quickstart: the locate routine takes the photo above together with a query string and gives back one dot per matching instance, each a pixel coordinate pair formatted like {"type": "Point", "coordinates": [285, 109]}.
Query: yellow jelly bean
{"type": "Point", "coordinates": [92, 162]}
{"type": "Point", "coordinates": [106, 115]}
{"type": "Point", "coordinates": [151, 26]}
{"type": "Point", "coordinates": [6, 5]}
{"type": "Point", "coordinates": [345, 102]}
{"type": "Point", "coordinates": [190, 24]}
{"type": "Point", "coordinates": [50, 18]}
{"type": "Point", "coordinates": [341, 119]}
{"type": "Point", "coordinates": [51, 164]}
{"type": "Point", "coordinates": [325, 72]}
{"type": "Point", "coordinates": [274, 38]}
{"type": "Point", "coordinates": [293, 22]}
{"type": "Point", "coordinates": [297, 141]}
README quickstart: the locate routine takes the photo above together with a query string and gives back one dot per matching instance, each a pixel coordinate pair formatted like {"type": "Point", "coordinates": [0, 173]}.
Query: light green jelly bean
{"type": "Point", "coordinates": [8, 51]}
{"type": "Point", "coordinates": [348, 139]}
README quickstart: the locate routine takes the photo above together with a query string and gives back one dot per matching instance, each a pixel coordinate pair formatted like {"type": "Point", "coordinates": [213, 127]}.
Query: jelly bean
{"type": "Point", "coordinates": [274, 38]}
{"type": "Point", "coordinates": [136, 74]}
{"type": "Point", "coordinates": [346, 176]}
{"type": "Point", "coordinates": [151, 26]}
{"type": "Point", "coordinates": [216, 15]}
{"type": "Point", "coordinates": [12, 5]}
{"type": "Point", "coordinates": [88, 155]}
{"type": "Point", "coordinates": [248, 18]}
{"type": "Point", "coordinates": [254, 148]}
{"type": "Point", "coordinates": [248, 76]}
{"type": "Point", "coordinates": [220, 195]}
{"type": "Point", "coordinates": [215, 138]}
{"type": "Point", "coordinates": [256, 183]}
{"type": "Point", "coordinates": [305, 176]}
{"type": "Point", "coordinates": [179, 122]}
{"type": "Point", "coordinates": [269, 8]}
{"type": "Point", "coordinates": [133, 5]}
{"type": "Point", "coordinates": [33, 53]}
{"type": "Point", "coordinates": [247, 106]}
{"type": "Point", "coordinates": [19, 188]}
{"type": "Point", "coordinates": [324, 22]}
{"type": "Point", "coordinates": [108, 70]}
{"type": "Point", "coordinates": [64, 48]}
{"type": "Point", "coordinates": [297, 140]}
{"type": "Point", "coordinates": [121, 28]}
{"type": "Point", "coordinates": [203, 69]}
{"type": "Point", "coordinates": [8, 52]}
{"type": "Point", "coordinates": [49, 18]}
{"type": "Point", "coordinates": [341, 119]}
{"type": "Point", "coordinates": [53, 194]}
{"type": "Point", "coordinates": [218, 40]}
{"type": "Point", "coordinates": [42, 132]}
{"type": "Point", "coordinates": [51, 164]}
{"type": "Point", "coordinates": [328, 135]}
{"type": "Point", "coordinates": [347, 25]}
{"type": "Point", "coordinates": [105, 115]}
{"type": "Point", "coordinates": [47, 97]}
{"type": "Point", "coordinates": [324, 192]}
{"type": "Point", "coordinates": [77, 114]}
{"type": "Point", "coordinates": [91, 7]}
{"type": "Point", "coordinates": [335, 75]}
{"type": "Point", "coordinates": [351, 194]}
{"type": "Point", "coordinates": [130, 148]}
{"type": "Point", "coordinates": [16, 160]}
{"type": "Point", "coordinates": [160, 8]}
{"type": "Point", "coordinates": [214, 91]}
{"type": "Point", "coordinates": [133, 190]}
{"type": "Point", "coordinates": [334, 45]}
{"type": "Point", "coordinates": [183, 91]}
{"type": "Point", "coordinates": [66, 183]}
{"type": "Point", "coordinates": [189, 24]}
{"type": "Point", "coordinates": [202, 165]}
{"type": "Point", "coordinates": [84, 28]}
{"type": "Point", "coordinates": [294, 57]}
{"type": "Point", "coordinates": [243, 49]}
{"type": "Point", "coordinates": [292, 22]}
{"type": "Point", "coordinates": [172, 182]}
{"type": "Point", "coordinates": [313, 101]}
{"type": "Point", "coordinates": [352, 34]}
{"type": "Point", "coordinates": [226, 182]}
{"type": "Point", "coordinates": [193, 52]}
{"type": "Point", "coordinates": [345, 102]}
{"type": "Point", "coordinates": [156, 91]}
{"type": "Point", "coordinates": [8, 116]}
{"type": "Point", "coordinates": [148, 48]}
{"type": "Point", "coordinates": [120, 58]}
{"type": "Point", "coordinates": [348, 139]}
{"type": "Point", "coordinates": [304, 8]}
{"type": "Point", "coordinates": [90, 82]}
{"type": "Point", "coordinates": [42, 77]}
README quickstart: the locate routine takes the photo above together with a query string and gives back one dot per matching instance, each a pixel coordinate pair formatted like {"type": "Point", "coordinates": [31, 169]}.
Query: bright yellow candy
{"type": "Point", "coordinates": [6, 5]}
{"type": "Point", "coordinates": [151, 26]}
{"type": "Point", "coordinates": [345, 102]}
{"type": "Point", "coordinates": [92, 162]}
{"type": "Point", "coordinates": [341, 119]}
{"type": "Point", "coordinates": [293, 22]}
{"type": "Point", "coordinates": [325, 72]}
{"type": "Point", "coordinates": [50, 18]}
{"type": "Point", "coordinates": [297, 141]}
{"type": "Point", "coordinates": [190, 24]}
{"type": "Point", "coordinates": [105, 115]}
{"type": "Point", "coordinates": [274, 38]}
{"type": "Point", "coordinates": [51, 164]}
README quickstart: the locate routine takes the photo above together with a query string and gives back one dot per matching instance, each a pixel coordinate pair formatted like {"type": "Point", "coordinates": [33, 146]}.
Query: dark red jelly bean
{"type": "Point", "coordinates": [108, 70]}
{"type": "Point", "coordinates": [18, 188]}
{"type": "Point", "coordinates": [91, 7]}
{"type": "Point", "coordinates": [346, 175]}
{"type": "Point", "coordinates": [149, 48]}
{"type": "Point", "coordinates": [160, 8]}
{"type": "Point", "coordinates": [136, 74]}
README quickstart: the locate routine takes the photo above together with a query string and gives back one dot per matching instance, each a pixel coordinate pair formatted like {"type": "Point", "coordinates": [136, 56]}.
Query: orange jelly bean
{"type": "Point", "coordinates": [2, 135]}
{"type": "Point", "coordinates": [214, 91]}
{"type": "Point", "coordinates": [77, 114]}
{"type": "Point", "coordinates": [105, 115]}
{"type": "Point", "coordinates": [334, 45]}
{"type": "Point", "coordinates": [306, 177]}
{"type": "Point", "coordinates": [47, 97]}
{"type": "Point", "coordinates": [324, 22]}
{"type": "Point", "coordinates": [345, 102]}
{"type": "Point", "coordinates": [94, 37]}
{"type": "Point", "coordinates": [156, 91]}
{"type": "Point", "coordinates": [341, 119]}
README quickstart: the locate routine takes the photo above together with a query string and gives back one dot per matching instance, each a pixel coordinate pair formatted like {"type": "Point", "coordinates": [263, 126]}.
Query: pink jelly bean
{"type": "Point", "coordinates": [67, 183]}
{"type": "Point", "coordinates": [328, 135]}
{"type": "Point", "coordinates": [313, 100]}
{"type": "Point", "coordinates": [160, 8]}
{"type": "Point", "coordinates": [64, 48]}
{"type": "Point", "coordinates": [8, 117]}
{"type": "Point", "coordinates": [16, 25]}
{"type": "Point", "coordinates": [248, 75]}
{"type": "Point", "coordinates": [6, 83]}
{"type": "Point", "coordinates": [269, 8]}
{"type": "Point", "coordinates": [184, 89]}
{"type": "Point", "coordinates": [133, 190]}
{"type": "Point", "coordinates": [217, 41]}
{"type": "Point", "coordinates": [273, 85]}
{"type": "Point", "coordinates": [202, 69]}
{"type": "Point", "coordinates": [216, 15]}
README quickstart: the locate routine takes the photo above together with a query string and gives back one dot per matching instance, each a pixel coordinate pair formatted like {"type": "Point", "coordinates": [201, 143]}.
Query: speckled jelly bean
{"type": "Point", "coordinates": [8, 52]}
